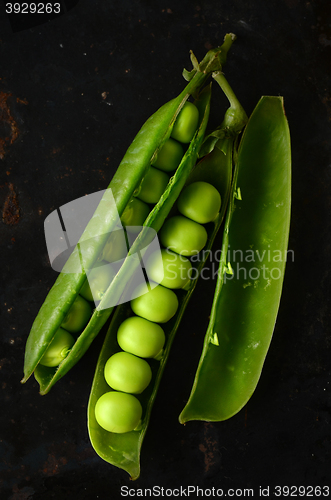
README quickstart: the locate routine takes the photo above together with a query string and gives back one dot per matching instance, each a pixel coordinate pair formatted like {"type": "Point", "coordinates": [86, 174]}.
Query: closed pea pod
{"type": "Point", "coordinates": [246, 303]}
{"type": "Point", "coordinates": [126, 181]}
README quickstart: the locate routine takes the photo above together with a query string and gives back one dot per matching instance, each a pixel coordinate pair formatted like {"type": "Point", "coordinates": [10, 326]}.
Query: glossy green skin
{"type": "Point", "coordinates": [77, 316]}
{"type": "Point", "coordinates": [135, 215]}
{"type": "Point", "coordinates": [58, 349]}
{"type": "Point", "coordinates": [118, 412]}
{"type": "Point", "coordinates": [98, 281]}
{"type": "Point", "coordinates": [153, 186]}
{"type": "Point", "coordinates": [183, 236]}
{"type": "Point", "coordinates": [169, 269]}
{"type": "Point", "coordinates": [124, 184]}
{"type": "Point", "coordinates": [246, 303]}
{"type": "Point", "coordinates": [158, 305]}
{"type": "Point", "coordinates": [125, 372]}
{"type": "Point", "coordinates": [141, 337]}
{"type": "Point", "coordinates": [169, 156]}
{"type": "Point", "coordinates": [186, 123]}
{"type": "Point", "coordinates": [124, 450]}
{"type": "Point", "coordinates": [200, 202]}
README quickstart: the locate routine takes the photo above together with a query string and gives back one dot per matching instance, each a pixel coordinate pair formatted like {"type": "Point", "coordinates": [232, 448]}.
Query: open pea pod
{"type": "Point", "coordinates": [254, 252]}
{"type": "Point", "coordinates": [124, 185]}
{"type": "Point", "coordinates": [123, 449]}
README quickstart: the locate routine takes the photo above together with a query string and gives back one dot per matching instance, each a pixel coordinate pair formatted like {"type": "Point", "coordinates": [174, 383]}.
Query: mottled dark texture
{"type": "Point", "coordinates": [81, 86]}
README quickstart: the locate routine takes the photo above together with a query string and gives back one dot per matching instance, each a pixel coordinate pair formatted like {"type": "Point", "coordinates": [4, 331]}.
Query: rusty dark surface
{"type": "Point", "coordinates": [73, 93]}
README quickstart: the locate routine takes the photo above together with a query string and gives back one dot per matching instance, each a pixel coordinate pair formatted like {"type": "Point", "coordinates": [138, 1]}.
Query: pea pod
{"type": "Point", "coordinates": [123, 449]}
{"type": "Point", "coordinates": [254, 250]}
{"type": "Point", "coordinates": [125, 183]}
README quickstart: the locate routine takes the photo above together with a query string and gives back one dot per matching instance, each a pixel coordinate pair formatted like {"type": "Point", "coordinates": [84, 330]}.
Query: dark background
{"type": "Point", "coordinates": [74, 92]}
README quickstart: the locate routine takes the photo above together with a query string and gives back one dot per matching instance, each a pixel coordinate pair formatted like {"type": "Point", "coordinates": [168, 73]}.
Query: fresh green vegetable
{"type": "Point", "coordinates": [186, 123]}
{"type": "Point", "coordinates": [169, 156]}
{"type": "Point", "coordinates": [141, 337]}
{"type": "Point", "coordinates": [244, 310]}
{"type": "Point", "coordinates": [200, 202]}
{"type": "Point", "coordinates": [169, 269]}
{"type": "Point", "coordinates": [123, 449]}
{"type": "Point", "coordinates": [153, 185]}
{"type": "Point", "coordinates": [134, 215]}
{"type": "Point", "coordinates": [116, 247]}
{"type": "Point", "coordinates": [159, 304]}
{"type": "Point", "coordinates": [124, 185]}
{"type": "Point", "coordinates": [183, 236]}
{"type": "Point", "coordinates": [127, 373]}
{"type": "Point", "coordinates": [118, 412]}
{"type": "Point", "coordinates": [58, 348]}
{"type": "Point", "coordinates": [98, 281]}
{"type": "Point", "coordinates": [77, 316]}
{"type": "Point", "coordinates": [246, 302]}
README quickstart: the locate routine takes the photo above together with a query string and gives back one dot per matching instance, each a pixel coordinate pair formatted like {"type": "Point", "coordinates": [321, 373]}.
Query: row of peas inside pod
{"type": "Point", "coordinates": [141, 336]}
{"type": "Point", "coordinates": [116, 248]}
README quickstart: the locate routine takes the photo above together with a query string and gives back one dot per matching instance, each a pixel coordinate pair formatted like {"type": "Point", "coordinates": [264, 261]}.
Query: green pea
{"type": "Point", "coordinates": [200, 201]}
{"type": "Point", "coordinates": [118, 412]}
{"type": "Point", "coordinates": [127, 373]}
{"type": "Point", "coordinates": [58, 348]}
{"type": "Point", "coordinates": [116, 247]}
{"type": "Point", "coordinates": [134, 215]}
{"type": "Point", "coordinates": [158, 305]}
{"type": "Point", "coordinates": [186, 123]}
{"type": "Point", "coordinates": [183, 236]}
{"type": "Point", "coordinates": [169, 156]}
{"type": "Point", "coordinates": [153, 185]}
{"type": "Point", "coordinates": [99, 278]}
{"type": "Point", "coordinates": [78, 315]}
{"type": "Point", "coordinates": [141, 337]}
{"type": "Point", "coordinates": [169, 269]}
